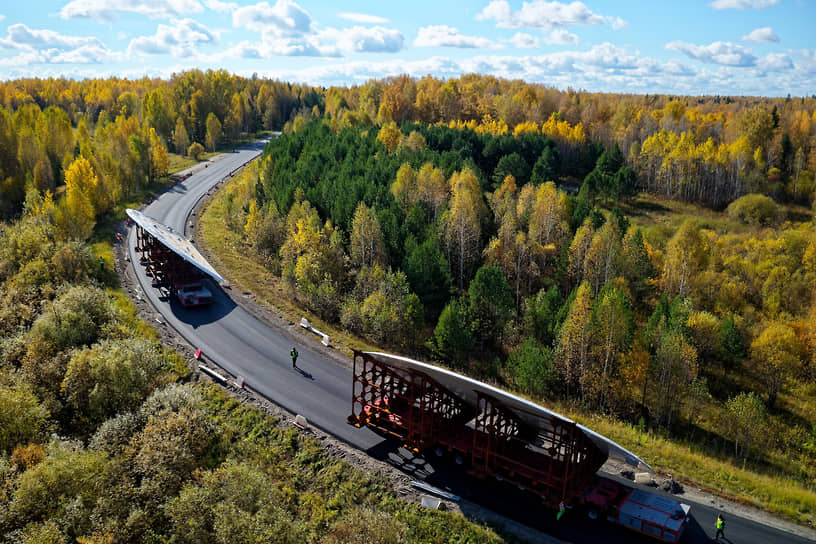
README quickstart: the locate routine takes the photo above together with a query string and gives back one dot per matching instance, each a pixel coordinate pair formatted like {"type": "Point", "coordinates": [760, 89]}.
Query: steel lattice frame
{"type": "Point", "coordinates": [161, 263]}
{"type": "Point", "coordinates": [554, 459]}
{"type": "Point", "coordinates": [404, 403]}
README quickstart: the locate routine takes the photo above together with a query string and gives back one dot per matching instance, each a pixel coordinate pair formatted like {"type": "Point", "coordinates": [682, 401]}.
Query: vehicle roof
{"type": "Point", "coordinates": [653, 508]}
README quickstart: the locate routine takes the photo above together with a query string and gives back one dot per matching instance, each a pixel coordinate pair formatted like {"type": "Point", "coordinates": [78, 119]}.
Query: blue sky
{"type": "Point", "coordinates": [738, 47]}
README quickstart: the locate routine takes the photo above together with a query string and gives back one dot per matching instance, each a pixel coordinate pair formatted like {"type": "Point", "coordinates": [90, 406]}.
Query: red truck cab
{"type": "Point", "coordinates": [654, 515]}
{"type": "Point", "coordinates": [193, 294]}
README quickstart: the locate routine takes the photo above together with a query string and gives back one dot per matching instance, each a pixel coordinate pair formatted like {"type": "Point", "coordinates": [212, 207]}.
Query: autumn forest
{"type": "Point", "coordinates": [644, 262]}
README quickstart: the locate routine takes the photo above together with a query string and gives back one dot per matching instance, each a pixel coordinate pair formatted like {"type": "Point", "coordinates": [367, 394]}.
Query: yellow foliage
{"type": "Point", "coordinates": [562, 130]}
{"type": "Point", "coordinates": [253, 219]}
{"type": "Point", "coordinates": [526, 127]}
{"type": "Point", "coordinates": [496, 127]}
{"type": "Point", "coordinates": [390, 136]}
{"type": "Point", "coordinates": [76, 217]}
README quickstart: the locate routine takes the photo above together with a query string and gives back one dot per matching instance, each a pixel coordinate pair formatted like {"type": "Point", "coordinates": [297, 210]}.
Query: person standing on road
{"type": "Point", "coordinates": [294, 355]}
{"type": "Point", "coordinates": [720, 526]}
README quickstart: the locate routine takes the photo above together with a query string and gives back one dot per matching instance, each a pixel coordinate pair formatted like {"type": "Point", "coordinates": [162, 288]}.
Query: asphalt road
{"type": "Point", "coordinates": [321, 391]}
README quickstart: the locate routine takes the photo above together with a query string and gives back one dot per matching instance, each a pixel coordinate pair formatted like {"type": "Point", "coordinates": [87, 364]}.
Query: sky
{"type": "Point", "coordinates": [689, 47]}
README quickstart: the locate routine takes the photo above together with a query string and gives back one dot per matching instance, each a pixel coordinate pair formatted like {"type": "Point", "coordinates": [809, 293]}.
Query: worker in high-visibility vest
{"type": "Point", "coordinates": [720, 526]}
{"type": "Point", "coordinates": [294, 355]}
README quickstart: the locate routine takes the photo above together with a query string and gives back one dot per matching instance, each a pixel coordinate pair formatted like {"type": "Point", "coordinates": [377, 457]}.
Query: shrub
{"type": "Point", "coordinates": [112, 377]}
{"type": "Point", "coordinates": [22, 417]}
{"type": "Point", "coordinates": [77, 318]}
{"type": "Point", "coordinates": [754, 209]}
{"type": "Point", "coordinates": [195, 150]}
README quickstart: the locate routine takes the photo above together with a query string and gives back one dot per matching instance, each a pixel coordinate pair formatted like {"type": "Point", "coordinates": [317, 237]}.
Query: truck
{"type": "Point", "coordinates": [496, 435]}
{"type": "Point", "coordinates": [637, 509]}
{"type": "Point", "coordinates": [193, 294]}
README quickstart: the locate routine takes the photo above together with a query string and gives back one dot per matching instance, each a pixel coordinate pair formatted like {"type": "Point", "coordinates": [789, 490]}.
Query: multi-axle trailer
{"type": "Point", "coordinates": [499, 435]}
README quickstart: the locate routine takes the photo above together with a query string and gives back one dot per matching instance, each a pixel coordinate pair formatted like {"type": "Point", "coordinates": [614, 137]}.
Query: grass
{"type": "Point", "coordinates": [323, 494]}
{"type": "Point", "coordinates": [660, 217]}
{"type": "Point", "coordinates": [179, 162]}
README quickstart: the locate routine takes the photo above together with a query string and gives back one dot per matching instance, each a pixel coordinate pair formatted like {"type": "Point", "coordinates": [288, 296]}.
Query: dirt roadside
{"type": "Point", "coordinates": [340, 450]}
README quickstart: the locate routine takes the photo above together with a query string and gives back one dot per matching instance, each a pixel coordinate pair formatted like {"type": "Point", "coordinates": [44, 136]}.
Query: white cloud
{"type": "Point", "coordinates": [807, 64]}
{"type": "Point", "coordinates": [2, 16]}
{"type": "Point", "coordinates": [221, 7]}
{"type": "Point", "coordinates": [542, 14]}
{"type": "Point", "coordinates": [287, 29]}
{"type": "Point", "coordinates": [594, 69]}
{"type": "Point", "coordinates": [179, 40]}
{"type": "Point", "coordinates": [87, 54]}
{"type": "Point", "coordinates": [360, 39]}
{"type": "Point", "coordinates": [26, 58]}
{"type": "Point", "coordinates": [363, 18]}
{"type": "Point", "coordinates": [676, 68]}
{"type": "Point", "coordinates": [775, 62]}
{"type": "Point", "coordinates": [105, 10]}
{"type": "Point", "coordinates": [602, 68]}
{"type": "Point", "coordinates": [524, 41]}
{"type": "Point", "coordinates": [619, 24]}
{"type": "Point", "coordinates": [243, 50]}
{"type": "Point", "coordinates": [725, 53]}
{"type": "Point", "coordinates": [22, 37]}
{"type": "Point", "coordinates": [743, 4]}
{"type": "Point", "coordinates": [761, 35]}
{"type": "Point", "coordinates": [50, 47]}
{"type": "Point", "coordinates": [560, 36]}
{"type": "Point", "coordinates": [446, 36]}
{"type": "Point", "coordinates": [271, 46]}
{"type": "Point", "coordinates": [284, 19]}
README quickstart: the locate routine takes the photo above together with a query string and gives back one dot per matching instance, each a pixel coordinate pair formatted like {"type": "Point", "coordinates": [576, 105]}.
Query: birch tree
{"type": "Point", "coordinates": [686, 255]}
{"type": "Point", "coordinates": [573, 344]}
{"type": "Point", "coordinates": [462, 223]}
{"type": "Point", "coordinates": [612, 327]}
{"type": "Point", "coordinates": [366, 238]}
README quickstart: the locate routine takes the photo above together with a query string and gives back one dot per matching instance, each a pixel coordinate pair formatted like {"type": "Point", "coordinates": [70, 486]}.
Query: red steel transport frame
{"type": "Point", "coordinates": [172, 261]}
{"type": "Point", "coordinates": [496, 434]}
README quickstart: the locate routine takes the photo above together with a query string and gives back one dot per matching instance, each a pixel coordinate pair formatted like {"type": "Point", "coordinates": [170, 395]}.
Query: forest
{"type": "Point", "coordinates": [646, 263]}
{"type": "Point", "coordinates": [526, 252]}
{"type": "Point", "coordinates": [104, 436]}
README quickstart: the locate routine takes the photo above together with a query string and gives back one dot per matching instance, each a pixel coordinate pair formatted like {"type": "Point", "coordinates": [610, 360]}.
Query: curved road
{"type": "Point", "coordinates": [321, 390]}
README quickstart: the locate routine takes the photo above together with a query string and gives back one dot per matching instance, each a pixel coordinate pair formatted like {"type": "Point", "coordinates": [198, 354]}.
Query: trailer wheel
{"type": "Point", "coordinates": [592, 513]}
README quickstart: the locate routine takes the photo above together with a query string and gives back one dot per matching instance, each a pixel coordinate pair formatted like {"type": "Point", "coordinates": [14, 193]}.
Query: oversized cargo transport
{"type": "Point", "coordinates": [502, 436]}
{"type": "Point", "coordinates": [172, 261]}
